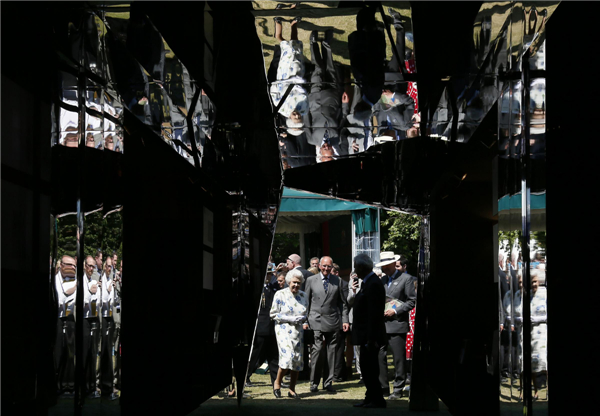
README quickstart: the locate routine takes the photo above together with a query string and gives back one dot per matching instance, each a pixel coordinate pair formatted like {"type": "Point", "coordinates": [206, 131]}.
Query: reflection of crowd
{"type": "Point", "coordinates": [305, 327]}
{"type": "Point", "coordinates": [511, 313]}
{"type": "Point", "coordinates": [323, 122]}
{"type": "Point", "coordinates": [101, 325]}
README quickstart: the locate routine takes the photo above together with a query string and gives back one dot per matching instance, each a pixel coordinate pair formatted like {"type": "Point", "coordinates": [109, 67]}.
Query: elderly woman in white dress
{"type": "Point", "coordinates": [290, 71]}
{"type": "Point", "coordinates": [539, 332]}
{"type": "Point", "coordinates": [289, 313]}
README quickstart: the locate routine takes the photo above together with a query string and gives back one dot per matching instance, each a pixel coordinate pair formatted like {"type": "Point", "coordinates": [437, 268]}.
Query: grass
{"type": "Point", "coordinates": [321, 18]}
{"type": "Point", "coordinates": [261, 400]}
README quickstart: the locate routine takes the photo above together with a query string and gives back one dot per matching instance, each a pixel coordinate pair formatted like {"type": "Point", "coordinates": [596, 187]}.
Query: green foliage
{"type": "Point", "coordinates": [400, 233]}
{"type": "Point", "coordinates": [511, 236]}
{"type": "Point", "coordinates": [540, 238]}
{"type": "Point", "coordinates": [105, 233]}
{"type": "Point", "coordinates": [284, 244]}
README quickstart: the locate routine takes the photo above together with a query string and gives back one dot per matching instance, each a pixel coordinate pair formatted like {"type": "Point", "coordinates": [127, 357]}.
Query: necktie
{"type": "Point", "coordinates": [326, 283]}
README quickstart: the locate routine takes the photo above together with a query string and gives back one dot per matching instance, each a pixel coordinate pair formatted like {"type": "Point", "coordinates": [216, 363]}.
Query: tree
{"type": "Point", "coordinates": [284, 244]}
{"type": "Point", "coordinates": [400, 233]}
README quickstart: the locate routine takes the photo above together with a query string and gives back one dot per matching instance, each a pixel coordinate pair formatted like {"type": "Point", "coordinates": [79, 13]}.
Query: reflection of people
{"type": "Point", "coordinates": [368, 329]}
{"type": "Point", "coordinates": [398, 285]}
{"type": "Point", "coordinates": [92, 298]}
{"type": "Point", "coordinates": [513, 308]}
{"type": "Point", "coordinates": [356, 123]}
{"type": "Point", "coordinates": [290, 71]}
{"type": "Point", "coordinates": [265, 342]}
{"type": "Point", "coordinates": [538, 333]}
{"type": "Point", "coordinates": [366, 47]}
{"type": "Point", "coordinates": [325, 99]}
{"type": "Point", "coordinates": [64, 352]}
{"type": "Point", "coordinates": [325, 296]}
{"type": "Point", "coordinates": [289, 312]}
{"type": "Point", "coordinates": [116, 307]}
{"type": "Point", "coordinates": [395, 112]}
{"type": "Point", "coordinates": [108, 326]}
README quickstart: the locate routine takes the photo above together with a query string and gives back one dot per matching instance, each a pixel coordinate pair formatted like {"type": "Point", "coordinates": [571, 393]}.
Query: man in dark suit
{"type": "Point", "coordinates": [366, 47]}
{"type": "Point", "coordinates": [327, 312]}
{"type": "Point", "coordinates": [265, 342]}
{"type": "Point", "coordinates": [398, 285]}
{"type": "Point", "coordinates": [504, 334]}
{"type": "Point", "coordinates": [368, 329]}
{"type": "Point", "coordinates": [293, 262]}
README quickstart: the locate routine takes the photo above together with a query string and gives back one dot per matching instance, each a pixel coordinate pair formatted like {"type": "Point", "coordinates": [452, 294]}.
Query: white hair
{"type": "Point", "coordinates": [294, 273]}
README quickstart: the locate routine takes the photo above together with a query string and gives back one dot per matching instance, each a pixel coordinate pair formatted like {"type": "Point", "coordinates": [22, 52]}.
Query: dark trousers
{"type": "Point", "coordinates": [397, 343]}
{"type": "Point", "coordinates": [369, 366]}
{"type": "Point", "coordinates": [323, 349]}
{"type": "Point", "coordinates": [65, 354]}
{"type": "Point", "coordinates": [325, 70]}
{"type": "Point", "coordinates": [117, 347]}
{"type": "Point", "coordinates": [339, 371]}
{"type": "Point", "coordinates": [91, 343]}
{"type": "Point", "coordinates": [265, 347]}
{"type": "Point", "coordinates": [508, 346]}
{"type": "Point", "coordinates": [106, 357]}
{"type": "Point", "coordinates": [305, 373]}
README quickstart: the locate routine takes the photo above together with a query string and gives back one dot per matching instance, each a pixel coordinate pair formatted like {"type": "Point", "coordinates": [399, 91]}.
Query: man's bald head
{"type": "Point", "coordinates": [68, 266]}
{"type": "Point", "coordinates": [295, 259]}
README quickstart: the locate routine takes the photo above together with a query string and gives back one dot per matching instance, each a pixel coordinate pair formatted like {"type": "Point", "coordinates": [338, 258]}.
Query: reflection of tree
{"type": "Point", "coordinates": [66, 228]}
{"type": "Point", "coordinates": [112, 234]}
{"type": "Point", "coordinates": [104, 233]}
{"type": "Point", "coordinates": [400, 234]}
{"type": "Point", "coordinates": [285, 244]}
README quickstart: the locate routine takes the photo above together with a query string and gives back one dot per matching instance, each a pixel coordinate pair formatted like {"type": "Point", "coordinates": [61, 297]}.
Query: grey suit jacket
{"type": "Point", "coordinates": [403, 289]}
{"type": "Point", "coordinates": [324, 308]}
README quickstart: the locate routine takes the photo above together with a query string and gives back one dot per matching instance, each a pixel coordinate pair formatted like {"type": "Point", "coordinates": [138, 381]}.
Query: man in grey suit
{"type": "Point", "coordinates": [398, 285]}
{"type": "Point", "coordinates": [325, 100]}
{"type": "Point", "coordinates": [326, 300]}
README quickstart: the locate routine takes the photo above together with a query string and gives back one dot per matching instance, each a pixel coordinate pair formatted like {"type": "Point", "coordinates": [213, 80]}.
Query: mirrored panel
{"type": "Point", "coordinates": [340, 78]}
{"type": "Point", "coordinates": [522, 218]}
{"type": "Point", "coordinates": [65, 287]}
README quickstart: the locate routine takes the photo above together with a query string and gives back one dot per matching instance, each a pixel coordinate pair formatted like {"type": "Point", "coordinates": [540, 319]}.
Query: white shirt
{"type": "Point", "coordinates": [91, 301]}
{"type": "Point", "coordinates": [66, 303]}
{"type": "Point", "coordinates": [107, 297]}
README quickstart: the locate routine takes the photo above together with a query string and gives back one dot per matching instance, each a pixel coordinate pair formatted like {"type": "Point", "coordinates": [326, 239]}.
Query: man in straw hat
{"type": "Point", "coordinates": [398, 285]}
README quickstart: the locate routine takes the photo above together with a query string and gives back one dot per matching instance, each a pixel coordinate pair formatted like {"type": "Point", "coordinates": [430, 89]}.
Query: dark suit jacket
{"type": "Point", "coordinates": [399, 116]}
{"type": "Point", "coordinates": [306, 275]}
{"type": "Point", "coordinates": [264, 325]}
{"type": "Point", "coordinates": [367, 57]}
{"type": "Point", "coordinates": [369, 305]}
{"type": "Point", "coordinates": [504, 285]}
{"type": "Point", "coordinates": [403, 289]}
{"type": "Point", "coordinates": [326, 311]}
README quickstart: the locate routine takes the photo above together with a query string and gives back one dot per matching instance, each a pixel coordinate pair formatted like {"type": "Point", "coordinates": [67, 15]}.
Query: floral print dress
{"type": "Point", "coordinates": [290, 71]}
{"type": "Point", "coordinates": [285, 310]}
{"type": "Point", "coordinates": [539, 331]}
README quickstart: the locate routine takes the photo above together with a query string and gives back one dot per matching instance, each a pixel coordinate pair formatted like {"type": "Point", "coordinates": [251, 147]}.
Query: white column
{"type": "Point", "coordinates": [302, 249]}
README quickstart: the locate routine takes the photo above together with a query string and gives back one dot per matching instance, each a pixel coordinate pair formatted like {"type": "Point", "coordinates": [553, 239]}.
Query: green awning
{"type": "Point", "coordinates": [365, 220]}
{"type": "Point", "coordinates": [299, 201]}
{"type": "Point", "coordinates": [509, 202]}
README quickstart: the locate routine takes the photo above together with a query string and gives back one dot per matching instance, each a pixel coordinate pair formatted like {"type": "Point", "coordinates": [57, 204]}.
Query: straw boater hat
{"type": "Point", "coordinates": [387, 257]}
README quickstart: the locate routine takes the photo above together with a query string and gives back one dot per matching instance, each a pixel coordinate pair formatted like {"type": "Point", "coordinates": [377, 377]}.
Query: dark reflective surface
{"type": "Point", "coordinates": [338, 77]}
{"type": "Point", "coordinates": [353, 102]}
{"type": "Point", "coordinates": [522, 212]}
